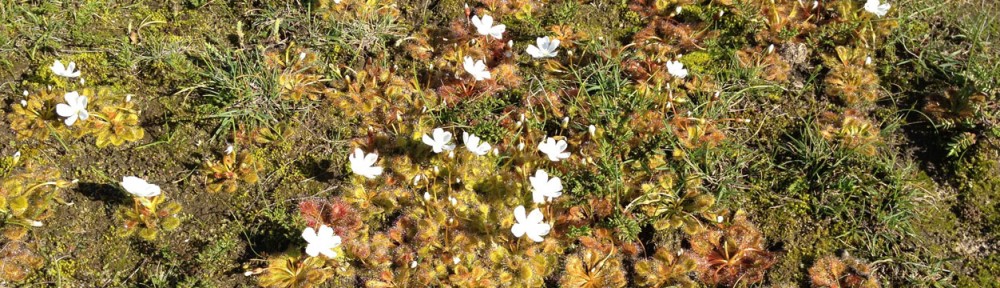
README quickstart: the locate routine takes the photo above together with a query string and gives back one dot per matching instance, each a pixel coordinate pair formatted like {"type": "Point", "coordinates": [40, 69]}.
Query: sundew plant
{"type": "Point", "coordinates": [518, 143]}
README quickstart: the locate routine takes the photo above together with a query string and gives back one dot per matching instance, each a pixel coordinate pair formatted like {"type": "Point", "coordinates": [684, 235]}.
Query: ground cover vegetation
{"type": "Point", "coordinates": [520, 143]}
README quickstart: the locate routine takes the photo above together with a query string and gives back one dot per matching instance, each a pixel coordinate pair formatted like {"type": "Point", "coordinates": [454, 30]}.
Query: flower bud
{"type": "Point", "coordinates": [456, 260]}
{"type": "Point", "coordinates": [24, 103]}
{"type": "Point", "coordinates": [719, 219]}
{"type": "Point", "coordinates": [413, 264]}
{"type": "Point", "coordinates": [302, 56]}
{"type": "Point", "coordinates": [25, 93]}
{"type": "Point", "coordinates": [416, 180]}
{"type": "Point", "coordinates": [436, 170]}
{"type": "Point", "coordinates": [592, 130]}
{"type": "Point", "coordinates": [496, 152]}
{"type": "Point", "coordinates": [518, 124]}
{"type": "Point", "coordinates": [565, 122]}
{"type": "Point", "coordinates": [451, 155]}
{"type": "Point", "coordinates": [520, 146]}
{"type": "Point", "coordinates": [868, 61]}
{"type": "Point", "coordinates": [770, 49]}
{"type": "Point", "coordinates": [427, 196]}
{"type": "Point", "coordinates": [453, 201]}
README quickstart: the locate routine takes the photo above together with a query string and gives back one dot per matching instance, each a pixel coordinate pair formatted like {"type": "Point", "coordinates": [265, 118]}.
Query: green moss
{"type": "Point", "coordinates": [697, 62]}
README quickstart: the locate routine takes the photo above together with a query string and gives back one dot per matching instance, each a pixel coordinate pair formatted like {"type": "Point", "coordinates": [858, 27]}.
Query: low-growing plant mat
{"type": "Point", "coordinates": [516, 143]}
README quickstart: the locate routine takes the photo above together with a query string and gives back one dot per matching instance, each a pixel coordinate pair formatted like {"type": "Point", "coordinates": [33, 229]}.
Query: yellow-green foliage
{"type": "Point", "coordinates": [27, 196]}
{"type": "Point", "coordinates": [670, 203]}
{"type": "Point", "coordinates": [149, 216]}
{"type": "Point", "coordinates": [850, 80]}
{"type": "Point", "coordinates": [294, 271]}
{"type": "Point", "coordinates": [231, 171]}
{"type": "Point", "coordinates": [592, 268]}
{"type": "Point", "coordinates": [665, 269]}
{"type": "Point", "coordinates": [36, 118]}
{"type": "Point", "coordinates": [300, 75]}
{"type": "Point", "coordinates": [850, 130]}
{"type": "Point", "coordinates": [113, 119]}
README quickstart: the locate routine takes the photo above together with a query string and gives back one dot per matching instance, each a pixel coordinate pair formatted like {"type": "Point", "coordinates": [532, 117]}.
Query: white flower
{"type": "Point", "coordinates": [229, 149]}
{"type": "Point", "coordinates": [24, 103]}
{"type": "Point", "coordinates": [555, 150]}
{"type": "Point", "coordinates": [484, 26]}
{"type": "Point", "coordinates": [546, 48]}
{"type": "Point", "coordinates": [877, 8]}
{"type": "Point", "coordinates": [475, 145]}
{"type": "Point", "coordinates": [440, 141]}
{"type": "Point", "coordinates": [321, 242]}
{"type": "Point", "coordinates": [427, 196]}
{"type": "Point", "coordinates": [530, 225]}
{"type": "Point", "coordinates": [477, 68]}
{"type": "Point", "coordinates": [139, 187]}
{"type": "Point", "coordinates": [544, 189]}
{"type": "Point", "coordinates": [363, 164]}
{"type": "Point", "coordinates": [676, 68]}
{"type": "Point", "coordinates": [74, 108]}
{"type": "Point", "coordinates": [456, 260]}
{"type": "Point", "coordinates": [65, 71]}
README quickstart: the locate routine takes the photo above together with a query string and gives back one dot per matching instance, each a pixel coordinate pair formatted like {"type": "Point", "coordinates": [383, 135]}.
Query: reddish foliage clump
{"type": "Point", "coordinates": [334, 213]}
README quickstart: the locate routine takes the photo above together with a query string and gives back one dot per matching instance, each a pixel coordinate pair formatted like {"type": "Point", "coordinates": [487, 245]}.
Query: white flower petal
{"type": "Point", "coordinates": [71, 120]}
{"type": "Point", "coordinates": [519, 214]}
{"type": "Point", "coordinates": [64, 110]}
{"type": "Point", "coordinates": [518, 230]}
{"type": "Point", "coordinates": [535, 216]}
